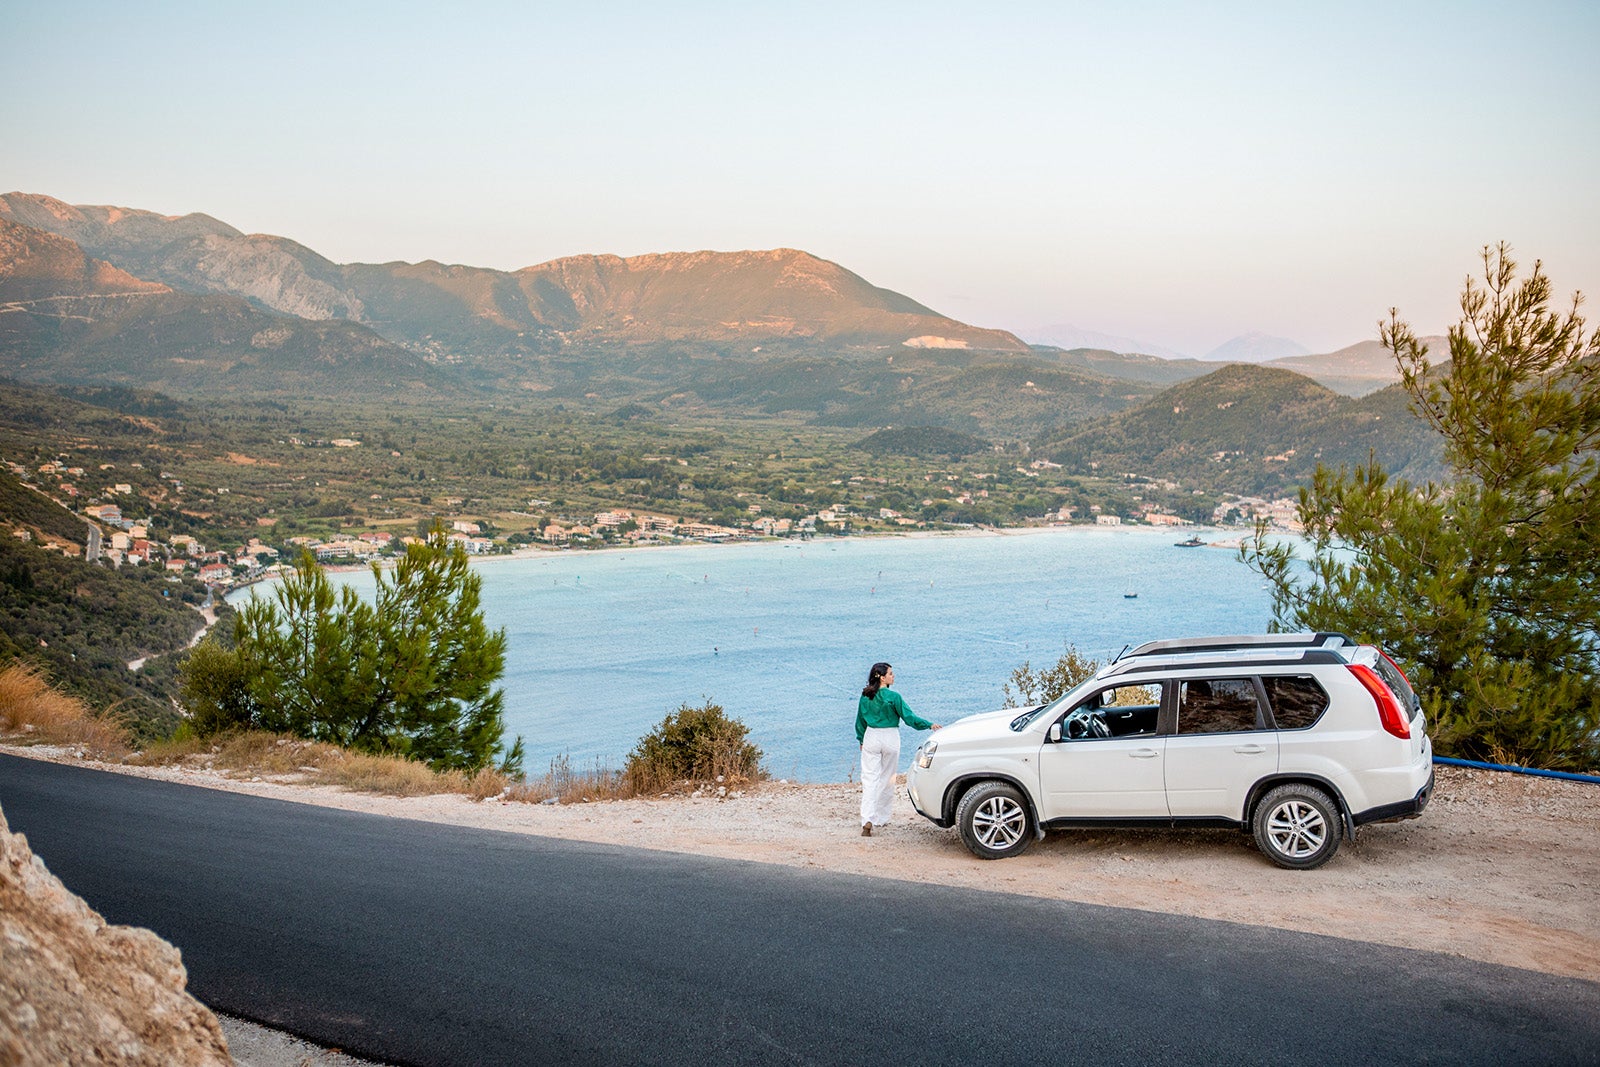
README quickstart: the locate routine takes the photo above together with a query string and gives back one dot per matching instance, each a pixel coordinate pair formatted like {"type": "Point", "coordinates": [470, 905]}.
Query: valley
{"type": "Point", "coordinates": [214, 403]}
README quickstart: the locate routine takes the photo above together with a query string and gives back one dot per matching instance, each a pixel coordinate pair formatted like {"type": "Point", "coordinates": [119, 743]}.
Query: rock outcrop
{"type": "Point", "coordinates": [75, 990]}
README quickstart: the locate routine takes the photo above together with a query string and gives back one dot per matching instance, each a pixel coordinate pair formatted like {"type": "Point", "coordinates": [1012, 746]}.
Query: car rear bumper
{"type": "Point", "coordinates": [1405, 809]}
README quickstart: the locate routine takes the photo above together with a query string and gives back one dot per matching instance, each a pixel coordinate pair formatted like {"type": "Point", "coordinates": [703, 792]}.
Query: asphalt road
{"type": "Point", "coordinates": [414, 943]}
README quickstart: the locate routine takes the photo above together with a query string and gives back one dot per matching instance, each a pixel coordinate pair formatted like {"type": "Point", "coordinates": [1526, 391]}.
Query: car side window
{"type": "Point", "coordinates": [1218, 706]}
{"type": "Point", "coordinates": [1117, 711]}
{"type": "Point", "coordinates": [1297, 701]}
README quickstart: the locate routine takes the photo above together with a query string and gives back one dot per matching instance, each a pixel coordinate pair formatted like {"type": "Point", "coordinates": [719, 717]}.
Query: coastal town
{"type": "Point", "coordinates": [125, 520]}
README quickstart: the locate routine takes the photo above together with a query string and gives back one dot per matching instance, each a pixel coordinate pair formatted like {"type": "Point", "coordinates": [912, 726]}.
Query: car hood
{"type": "Point", "coordinates": [985, 724]}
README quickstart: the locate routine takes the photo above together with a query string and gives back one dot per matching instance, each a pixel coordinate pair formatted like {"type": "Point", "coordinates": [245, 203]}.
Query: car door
{"type": "Point", "coordinates": [1220, 747]}
{"type": "Point", "coordinates": [1093, 773]}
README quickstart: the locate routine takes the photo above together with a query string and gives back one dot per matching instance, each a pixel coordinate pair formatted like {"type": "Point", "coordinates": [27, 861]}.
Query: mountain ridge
{"type": "Point", "coordinates": [68, 318]}
{"type": "Point", "coordinates": [778, 294]}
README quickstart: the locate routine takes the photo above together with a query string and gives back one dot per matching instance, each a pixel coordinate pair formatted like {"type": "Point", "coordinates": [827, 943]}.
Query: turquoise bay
{"type": "Point", "coordinates": [602, 645]}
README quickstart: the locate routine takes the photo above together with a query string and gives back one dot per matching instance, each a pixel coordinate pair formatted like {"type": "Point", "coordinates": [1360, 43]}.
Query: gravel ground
{"type": "Point", "coordinates": [1501, 868]}
{"type": "Point", "coordinates": [256, 1046]}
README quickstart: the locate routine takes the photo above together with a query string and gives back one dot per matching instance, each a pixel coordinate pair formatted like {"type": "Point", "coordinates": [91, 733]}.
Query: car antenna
{"type": "Point", "coordinates": [1119, 655]}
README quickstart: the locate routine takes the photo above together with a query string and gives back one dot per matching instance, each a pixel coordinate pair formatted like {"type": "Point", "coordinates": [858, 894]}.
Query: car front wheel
{"type": "Point", "coordinates": [1298, 827]}
{"type": "Point", "coordinates": [993, 820]}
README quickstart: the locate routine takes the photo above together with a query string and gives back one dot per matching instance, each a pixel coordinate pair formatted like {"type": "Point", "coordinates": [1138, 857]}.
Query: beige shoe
{"type": "Point", "coordinates": [866, 829]}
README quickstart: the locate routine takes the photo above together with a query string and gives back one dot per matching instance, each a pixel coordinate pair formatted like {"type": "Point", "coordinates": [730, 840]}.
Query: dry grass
{"type": "Point", "coordinates": [248, 752]}
{"type": "Point", "coordinates": [257, 754]}
{"type": "Point", "coordinates": [393, 776]}
{"type": "Point", "coordinates": [33, 713]}
{"type": "Point", "coordinates": [565, 785]}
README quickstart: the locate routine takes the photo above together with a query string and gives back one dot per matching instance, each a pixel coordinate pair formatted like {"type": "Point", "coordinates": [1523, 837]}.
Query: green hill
{"type": "Point", "coordinates": [1251, 429]}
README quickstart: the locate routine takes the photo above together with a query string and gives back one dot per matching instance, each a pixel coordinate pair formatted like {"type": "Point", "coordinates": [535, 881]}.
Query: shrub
{"type": "Point", "coordinates": [1073, 668]}
{"type": "Point", "coordinates": [1029, 686]}
{"type": "Point", "coordinates": [698, 744]}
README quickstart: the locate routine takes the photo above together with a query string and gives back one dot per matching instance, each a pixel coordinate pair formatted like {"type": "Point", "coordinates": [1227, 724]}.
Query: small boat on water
{"type": "Point", "coordinates": [1193, 542]}
{"type": "Point", "coordinates": [1130, 595]}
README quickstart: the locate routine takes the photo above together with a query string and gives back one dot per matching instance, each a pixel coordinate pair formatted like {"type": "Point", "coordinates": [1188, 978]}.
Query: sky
{"type": "Point", "coordinates": [1176, 173]}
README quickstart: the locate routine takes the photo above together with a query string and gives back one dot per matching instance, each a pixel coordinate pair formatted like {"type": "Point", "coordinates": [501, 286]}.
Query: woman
{"type": "Point", "coordinates": [879, 713]}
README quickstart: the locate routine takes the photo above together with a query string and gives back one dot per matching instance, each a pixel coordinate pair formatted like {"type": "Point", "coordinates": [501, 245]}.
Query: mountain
{"type": "Point", "coordinates": [1065, 335]}
{"type": "Point", "coordinates": [37, 266]}
{"type": "Point", "coordinates": [1254, 348]}
{"type": "Point", "coordinates": [1132, 367]}
{"type": "Point", "coordinates": [1360, 368]}
{"type": "Point", "coordinates": [454, 311]}
{"type": "Point", "coordinates": [1252, 429]}
{"type": "Point", "coordinates": [67, 317]}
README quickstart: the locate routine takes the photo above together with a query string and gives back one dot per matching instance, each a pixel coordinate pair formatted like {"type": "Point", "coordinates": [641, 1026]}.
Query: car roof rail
{"type": "Point", "coordinates": [1228, 658]}
{"type": "Point", "coordinates": [1240, 642]}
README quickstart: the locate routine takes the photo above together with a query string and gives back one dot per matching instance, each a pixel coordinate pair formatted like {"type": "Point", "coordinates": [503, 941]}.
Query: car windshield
{"type": "Point", "coordinates": [1060, 703]}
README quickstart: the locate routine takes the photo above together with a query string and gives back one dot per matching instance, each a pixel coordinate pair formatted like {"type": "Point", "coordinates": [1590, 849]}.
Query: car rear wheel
{"type": "Point", "coordinates": [1298, 827]}
{"type": "Point", "coordinates": [993, 820]}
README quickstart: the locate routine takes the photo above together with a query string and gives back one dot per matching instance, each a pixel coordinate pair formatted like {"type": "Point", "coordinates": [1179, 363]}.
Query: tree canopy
{"type": "Point", "coordinates": [1486, 584]}
{"type": "Point", "coordinates": [413, 673]}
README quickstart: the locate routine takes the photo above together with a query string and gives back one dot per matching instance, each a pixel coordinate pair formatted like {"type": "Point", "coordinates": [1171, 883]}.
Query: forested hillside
{"type": "Point", "coordinates": [1252, 430]}
{"type": "Point", "coordinates": [84, 622]}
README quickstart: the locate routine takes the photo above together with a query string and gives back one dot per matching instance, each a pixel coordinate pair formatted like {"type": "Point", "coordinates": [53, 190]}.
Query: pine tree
{"type": "Point", "coordinates": [1487, 586]}
{"type": "Point", "coordinates": [413, 673]}
{"type": "Point", "coordinates": [438, 660]}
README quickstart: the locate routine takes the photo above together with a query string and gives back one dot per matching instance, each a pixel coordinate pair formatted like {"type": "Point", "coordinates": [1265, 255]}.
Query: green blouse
{"type": "Point", "coordinates": [885, 709]}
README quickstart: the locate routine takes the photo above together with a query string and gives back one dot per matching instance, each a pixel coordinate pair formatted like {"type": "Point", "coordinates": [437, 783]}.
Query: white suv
{"type": "Point", "coordinates": [1298, 738]}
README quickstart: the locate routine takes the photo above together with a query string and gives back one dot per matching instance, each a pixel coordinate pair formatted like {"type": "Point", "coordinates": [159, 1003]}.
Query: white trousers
{"type": "Point", "coordinates": [880, 759]}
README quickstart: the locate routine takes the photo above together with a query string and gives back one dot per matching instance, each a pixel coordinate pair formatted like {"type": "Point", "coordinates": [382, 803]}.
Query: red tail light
{"type": "Point", "coordinates": [1390, 713]}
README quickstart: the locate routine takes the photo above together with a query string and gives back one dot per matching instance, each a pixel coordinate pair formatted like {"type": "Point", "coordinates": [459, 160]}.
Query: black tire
{"type": "Point", "coordinates": [994, 821]}
{"type": "Point", "coordinates": [1298, 827]}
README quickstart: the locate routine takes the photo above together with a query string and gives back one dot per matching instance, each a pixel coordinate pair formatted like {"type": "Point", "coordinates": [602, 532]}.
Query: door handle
{"type": "Point", "coordinates": [1249, 750]}
{"type": "Point", "coordinates": [1143, 753]}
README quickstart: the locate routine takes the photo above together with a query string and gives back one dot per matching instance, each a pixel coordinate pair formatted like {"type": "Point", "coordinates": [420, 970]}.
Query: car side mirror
{"type": "Point", "coordinates": [1055, 731]}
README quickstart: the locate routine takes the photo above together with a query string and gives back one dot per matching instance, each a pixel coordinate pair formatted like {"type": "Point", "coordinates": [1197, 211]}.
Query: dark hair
{"type": "Point", "coordinates": [875, 679]}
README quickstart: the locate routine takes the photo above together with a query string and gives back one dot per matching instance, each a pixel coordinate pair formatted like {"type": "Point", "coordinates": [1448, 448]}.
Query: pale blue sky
{"type": "Point", "coordinates": [1179, 173]}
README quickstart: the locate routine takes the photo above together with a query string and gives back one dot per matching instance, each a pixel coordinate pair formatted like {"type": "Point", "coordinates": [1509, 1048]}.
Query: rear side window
{"type": "Point", "coordinates": [1218, 706]}
{"type": "Point", "coordinates": [1297, 700]}
{"type": "Point", "coordinates": [1397, 684]}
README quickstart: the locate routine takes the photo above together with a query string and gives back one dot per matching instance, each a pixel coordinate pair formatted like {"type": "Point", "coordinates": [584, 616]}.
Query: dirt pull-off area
{"type": "Point", "coordinates": [1501, 868]}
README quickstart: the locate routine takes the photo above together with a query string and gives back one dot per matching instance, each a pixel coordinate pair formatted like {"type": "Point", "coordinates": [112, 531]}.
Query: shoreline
{"type": "Point", "coordinates": [535, 552]}
{"type": "Point", "coordinates": [565, 610]}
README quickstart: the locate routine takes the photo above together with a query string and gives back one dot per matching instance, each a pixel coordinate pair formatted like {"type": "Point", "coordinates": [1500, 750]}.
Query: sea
{"type": "Point", "coordinates": [601, 646]}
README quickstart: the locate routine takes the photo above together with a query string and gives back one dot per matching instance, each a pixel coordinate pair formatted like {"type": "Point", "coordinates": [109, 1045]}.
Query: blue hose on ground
{"type": "Point", "coordinates": [1514, 769]}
